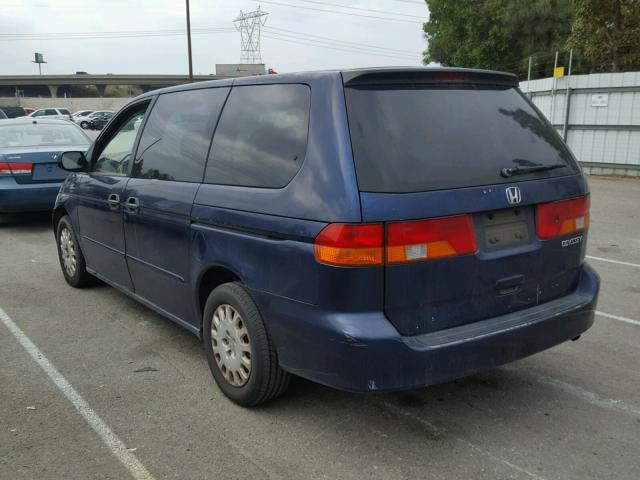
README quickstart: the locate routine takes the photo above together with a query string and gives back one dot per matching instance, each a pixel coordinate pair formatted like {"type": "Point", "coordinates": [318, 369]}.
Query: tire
{"type": "Point", "coordinates": [84, 125]}
{"type": "Point", "coordinates": [74, 268]}
{"type": "Point", "coordinates": [261, 379]}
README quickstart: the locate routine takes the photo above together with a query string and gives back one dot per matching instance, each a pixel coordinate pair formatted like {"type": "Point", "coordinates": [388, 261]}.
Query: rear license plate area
{"type": "Point", "coordinates": [48, 171]}
{"type": "Point", "coordinates": [505, 228]}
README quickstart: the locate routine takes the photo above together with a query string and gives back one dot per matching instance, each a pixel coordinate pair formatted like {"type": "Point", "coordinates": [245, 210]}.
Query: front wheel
{"type": "Point", "coordinates": [74, 268]}
{"type": "Point", "coordinates": [84, 125]}
{"type": "Point", "coordinates": [240, 354]}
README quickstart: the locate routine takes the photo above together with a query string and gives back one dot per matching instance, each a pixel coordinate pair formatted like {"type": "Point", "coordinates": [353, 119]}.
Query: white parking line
{"type": "Point", "coordinates": [590, 257]}
{"type": "Point", "coordinates": [619, 318]}
{"type": "Point", "coordinates": [117, 447]}
{"type": "Point", "coordinates": [590, 397]}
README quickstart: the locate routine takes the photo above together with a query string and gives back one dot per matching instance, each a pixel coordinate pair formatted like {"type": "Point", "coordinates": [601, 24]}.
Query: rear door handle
{"type": "Point", "coordinates": [113, 201]}
{"type": "Point", "coordinates": [132, 204]}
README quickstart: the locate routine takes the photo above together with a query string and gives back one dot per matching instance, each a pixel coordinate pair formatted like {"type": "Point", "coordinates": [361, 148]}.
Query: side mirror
{"type": "Point", "coordinates": [73, 162]}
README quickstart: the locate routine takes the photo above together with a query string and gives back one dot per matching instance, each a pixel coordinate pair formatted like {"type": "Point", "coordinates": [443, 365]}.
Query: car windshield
{"type": "Point", "coordinates": [40, 135]}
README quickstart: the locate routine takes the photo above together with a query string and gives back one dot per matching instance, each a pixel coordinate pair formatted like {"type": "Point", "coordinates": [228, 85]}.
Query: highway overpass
{"type": "Point", "coordinates": [54, 82]}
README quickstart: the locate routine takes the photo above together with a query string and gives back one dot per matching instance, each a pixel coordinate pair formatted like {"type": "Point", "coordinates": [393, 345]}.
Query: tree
{"type": "Point", "coordinates": [607, 34]}
{"type": "Point", "coordinates": [496, 34]}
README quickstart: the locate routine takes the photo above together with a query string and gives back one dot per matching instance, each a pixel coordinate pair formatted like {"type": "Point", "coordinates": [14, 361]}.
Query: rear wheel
{"type": "Point", "coordinates": [84, 125]}
{"type": "Point", "coordinates": [74, 268]}
{"type": "Point", "coordinates": [240, 353]}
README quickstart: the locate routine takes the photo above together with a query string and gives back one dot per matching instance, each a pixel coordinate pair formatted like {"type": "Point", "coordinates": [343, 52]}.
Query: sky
{"type": "Point", "coordinates": [298, 35]}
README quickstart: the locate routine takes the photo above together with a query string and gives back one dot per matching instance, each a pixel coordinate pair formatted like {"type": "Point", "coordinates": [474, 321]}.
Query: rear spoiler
{"type": "Point", "coordinates": [427, 76]}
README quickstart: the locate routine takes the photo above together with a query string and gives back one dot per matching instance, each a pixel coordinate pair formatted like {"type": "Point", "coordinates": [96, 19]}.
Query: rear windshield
{"type": "Point", "coordinates": [40, 135]}
{"type": "Point", "coordinates": [413, 139]}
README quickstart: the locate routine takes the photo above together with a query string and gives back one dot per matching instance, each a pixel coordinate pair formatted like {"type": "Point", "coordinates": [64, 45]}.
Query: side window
{"type": "Point", "coordinates": [176, 137]}
{"type": "Point", "coordinates": [261, 139]}
{"type": "Point", "coordinates": [115, 156]}
{"type": "Point", "coordinates": [63, 111]}
{"type": "Point", "coordinates": [51, 111]}
{"type": "Point", "coordinates": [39, 113]}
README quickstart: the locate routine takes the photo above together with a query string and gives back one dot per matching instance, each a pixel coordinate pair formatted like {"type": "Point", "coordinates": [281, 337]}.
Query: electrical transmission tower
{"type": "Point", "coordinates": [249, 25]}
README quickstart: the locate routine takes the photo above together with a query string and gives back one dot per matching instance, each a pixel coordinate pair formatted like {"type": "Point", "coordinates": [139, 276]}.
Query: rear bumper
{"type": "Point", "coordinates": [362, 352]}
{"type": "Point", "coordinates": [15, 197]}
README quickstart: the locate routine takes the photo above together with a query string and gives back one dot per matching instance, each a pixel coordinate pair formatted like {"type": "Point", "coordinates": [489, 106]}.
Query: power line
{"type": "Point", "coordinates": [311, 43]}
{"type": "Point", "coordinates": [356, 44]}
{"type": "Point", "coordinates": [337, 12]}
{"type": "Point", "coordinates": [385, 12]}
{"type": "Point", "coordinates": [6, 37]}
{"type": "Point", "coordinates": [355, 48]}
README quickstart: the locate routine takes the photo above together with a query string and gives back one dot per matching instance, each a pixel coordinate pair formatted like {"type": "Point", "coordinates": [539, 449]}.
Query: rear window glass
{"type": "Point", "coordinates": [261, 139]}
{"type": "Point", "coordinates": [176, 137]}
{"type": "Point", "coordinates": [64, 111]}
{"type": "Point", "coordinates": [40, 135]}
{"type": "Point", "coordinates": [419, 139]}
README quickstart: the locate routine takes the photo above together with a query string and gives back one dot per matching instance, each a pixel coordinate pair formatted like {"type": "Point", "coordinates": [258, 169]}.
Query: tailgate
{"type": "Point", "coordinates": [471, 147]}
{"type": "Point", "coordinates": [512, 269]}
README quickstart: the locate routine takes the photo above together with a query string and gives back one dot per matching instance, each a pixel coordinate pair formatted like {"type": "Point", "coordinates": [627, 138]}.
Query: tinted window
{"type": "Point", "coordinates": [51, 111]}
{"type": "Point", "coordinates": [176, 137]}
{"type": "Point", "coordinates": [261, 139]}
{"type": "Point", "coordinates": [114, 159]}
{"type": "Point", "coordinates": [418, 139]}
{"type": "Point", "coordinates": [64, 111]}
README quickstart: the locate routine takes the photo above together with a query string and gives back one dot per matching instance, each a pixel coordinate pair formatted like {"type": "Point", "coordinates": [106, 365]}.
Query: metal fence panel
{"type": "Point", "coordinates": [603, 125]}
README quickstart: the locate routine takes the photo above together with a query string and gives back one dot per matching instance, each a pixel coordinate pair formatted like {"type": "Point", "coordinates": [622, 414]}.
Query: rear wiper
{"type": "Point", "coordinates": [509, 172]}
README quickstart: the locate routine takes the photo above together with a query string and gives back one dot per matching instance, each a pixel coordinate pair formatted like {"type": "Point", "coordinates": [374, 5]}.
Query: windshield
{"type": "Point", "coordinates": [40, 135]}
{"type": "Point", "coordinates": [418, 139]}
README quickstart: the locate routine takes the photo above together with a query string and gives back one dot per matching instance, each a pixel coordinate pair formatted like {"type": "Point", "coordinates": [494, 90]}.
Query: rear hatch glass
{"type": "Point", "coordinates": [413, 138]}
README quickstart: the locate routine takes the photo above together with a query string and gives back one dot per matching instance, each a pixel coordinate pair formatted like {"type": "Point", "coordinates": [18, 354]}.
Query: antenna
{"type": "Point", "coordinates": [249, 25]}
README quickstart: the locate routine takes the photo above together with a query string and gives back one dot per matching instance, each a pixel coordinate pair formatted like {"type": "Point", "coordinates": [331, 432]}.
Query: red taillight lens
{"type": "Point", "coordinates": [350, 245]}
{"type": "Point", "coordinates": [421, 240]}
{"type": "Point", "coordinates": [15, 168]}
{"type": "Point", "coordinates": [562, 218]}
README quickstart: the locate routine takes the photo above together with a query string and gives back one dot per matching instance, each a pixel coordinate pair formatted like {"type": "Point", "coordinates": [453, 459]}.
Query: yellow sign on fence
{"type": "Point", "coordinates": [558, 72]}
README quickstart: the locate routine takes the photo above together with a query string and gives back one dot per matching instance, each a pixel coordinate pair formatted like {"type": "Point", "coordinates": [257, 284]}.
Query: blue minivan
{"type": "Point", "coordinates": [370, 230]}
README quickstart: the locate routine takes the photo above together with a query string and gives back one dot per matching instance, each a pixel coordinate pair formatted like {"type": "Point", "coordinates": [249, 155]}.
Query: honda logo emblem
{"type": "Point", "coordinates": [513, 195]}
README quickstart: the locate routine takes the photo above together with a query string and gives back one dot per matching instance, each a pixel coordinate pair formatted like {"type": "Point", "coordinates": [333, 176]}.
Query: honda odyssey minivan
{"type": "Point", "coordinates": [370, 230]}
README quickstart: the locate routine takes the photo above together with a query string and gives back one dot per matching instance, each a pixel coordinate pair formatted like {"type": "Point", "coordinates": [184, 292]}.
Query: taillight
{"type": "Point", "coordinates": [350, 245]}
{"type": "Point", "coordinates": [9, 168]}
{"type": "Point", "coordinates": [421, 240]}
{"type": "Point", "coordinates": [562, 218]}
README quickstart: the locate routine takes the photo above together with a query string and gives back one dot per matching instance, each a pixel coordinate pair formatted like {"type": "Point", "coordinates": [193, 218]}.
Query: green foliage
{"type": "Point", "coordinates": [502, 34]}
{"type": "Point", "coordinates": [607, 34]}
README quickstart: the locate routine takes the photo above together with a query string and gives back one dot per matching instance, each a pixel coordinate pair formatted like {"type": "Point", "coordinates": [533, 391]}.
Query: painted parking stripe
{"type": "Point", "coordinates": [600, 259]}
{"type": "Point", "coordinates": [619, 318]}
{"type": "Point", "coordinates": [117, 447]}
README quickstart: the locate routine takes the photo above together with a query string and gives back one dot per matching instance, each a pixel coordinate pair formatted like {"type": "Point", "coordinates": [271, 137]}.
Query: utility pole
{"type": "Point", "coordinates": [189, 43]}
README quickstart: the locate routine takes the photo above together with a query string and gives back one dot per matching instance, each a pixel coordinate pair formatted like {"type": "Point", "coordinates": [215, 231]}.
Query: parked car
{"type": "Point", "coordinates": [98, 122]}
{"type": "Point", "coordinates": [370, 230]}
{"type": "Point", "coordinates": [29, 152]}
{"type": "Point", "coordinates": [28, 111]}
{"type": "Point", "coordinates": [61, 113]}
{"type": "Point", "coordinates": [81, 114]}
{"type": "Point", "coordinates": [13, 112]}
{"type": "Point", "coordinates": [87, 122]}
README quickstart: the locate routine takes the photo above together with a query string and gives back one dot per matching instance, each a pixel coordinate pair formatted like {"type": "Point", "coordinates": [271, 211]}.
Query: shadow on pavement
{"type": "Point", "coordinates": [27, 219]}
